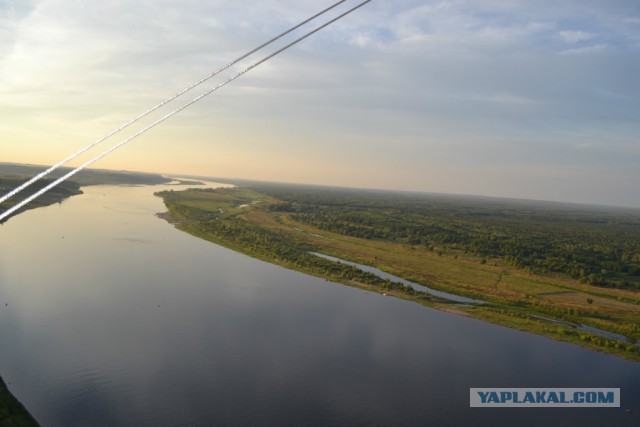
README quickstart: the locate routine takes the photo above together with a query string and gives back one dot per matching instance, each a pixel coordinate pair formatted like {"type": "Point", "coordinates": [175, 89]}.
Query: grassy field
{"type": "Point", "coordinates": [515, 297]}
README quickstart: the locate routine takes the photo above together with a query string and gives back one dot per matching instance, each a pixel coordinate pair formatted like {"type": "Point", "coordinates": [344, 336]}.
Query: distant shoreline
{"type": "Point", "coordinates": [12, 175]}
{"type": "Point", "coordinates": [55, 195]}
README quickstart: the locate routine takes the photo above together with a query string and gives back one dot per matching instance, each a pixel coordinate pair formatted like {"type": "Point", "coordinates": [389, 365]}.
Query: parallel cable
{"type": "Point", "coordinates": [161, 104]}
{"type": "Point", "coordinates": [174, 112]}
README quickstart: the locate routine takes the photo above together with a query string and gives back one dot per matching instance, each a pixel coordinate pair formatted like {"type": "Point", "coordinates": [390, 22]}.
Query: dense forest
{"type": "Point", "coordinates": [594, 245]}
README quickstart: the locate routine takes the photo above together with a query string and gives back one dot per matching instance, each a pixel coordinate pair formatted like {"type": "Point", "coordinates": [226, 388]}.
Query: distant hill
{"type": "Point", "coordinates": [12, 175]}
{"type": "Point", "coordinates": [87, 176]}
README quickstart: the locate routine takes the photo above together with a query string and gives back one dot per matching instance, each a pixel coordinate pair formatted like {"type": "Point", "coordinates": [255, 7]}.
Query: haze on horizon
{"type": "Point", "coordinates": [535, 100]}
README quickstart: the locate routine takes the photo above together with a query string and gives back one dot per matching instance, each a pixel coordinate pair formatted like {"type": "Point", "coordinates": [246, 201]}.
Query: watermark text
{"type": "Point", "coordinates": [544, 397]}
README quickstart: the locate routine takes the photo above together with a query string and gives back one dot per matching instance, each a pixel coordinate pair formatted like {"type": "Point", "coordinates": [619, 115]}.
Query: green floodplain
{"type": "Point", "coordinates": [547, 268]}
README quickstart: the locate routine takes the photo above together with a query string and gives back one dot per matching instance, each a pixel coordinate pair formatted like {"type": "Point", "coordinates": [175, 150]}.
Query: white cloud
{"type": "Point", "coordinates": [361, 40]}
{"type": "Point", "coordinates": [587, 50]}
{"type": "Point", "coordinates": [510, 99]}
{"type": "Point", "coordinates": [576, 36]}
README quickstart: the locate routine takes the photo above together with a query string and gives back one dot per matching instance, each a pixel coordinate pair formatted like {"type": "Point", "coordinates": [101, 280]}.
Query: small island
{"type": "Point", "coordinates": [568, 272]}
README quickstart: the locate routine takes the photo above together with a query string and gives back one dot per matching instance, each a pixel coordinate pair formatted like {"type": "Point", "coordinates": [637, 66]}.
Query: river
{"type": "Point", "coordinates": [109, 316]}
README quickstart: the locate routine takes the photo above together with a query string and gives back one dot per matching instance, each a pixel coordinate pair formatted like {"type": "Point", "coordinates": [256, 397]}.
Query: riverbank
{"type": "Point", "coordinates": [246, 221]}
{"type": "Point", "coordinates": [12, 412]}
{"type": "Point", "coordinates": [55, 195]}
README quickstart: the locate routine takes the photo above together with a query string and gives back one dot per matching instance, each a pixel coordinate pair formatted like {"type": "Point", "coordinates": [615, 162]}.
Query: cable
{"type": "Point", "coordinates": [166, 101]}
{"type": "Point", "coordinates": [172, 113]}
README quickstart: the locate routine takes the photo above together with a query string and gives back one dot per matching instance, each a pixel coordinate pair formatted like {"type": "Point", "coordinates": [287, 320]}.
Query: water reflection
{"type": "Point", "coordinates": [105, 330]}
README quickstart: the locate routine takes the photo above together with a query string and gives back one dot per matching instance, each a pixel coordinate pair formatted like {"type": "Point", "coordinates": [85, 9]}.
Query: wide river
{"type": "Point", "coordinates": [109, 316]}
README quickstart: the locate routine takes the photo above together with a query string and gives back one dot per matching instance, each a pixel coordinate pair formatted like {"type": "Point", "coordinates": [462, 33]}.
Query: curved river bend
{"type": "Point", "coordinates": [111, 317]}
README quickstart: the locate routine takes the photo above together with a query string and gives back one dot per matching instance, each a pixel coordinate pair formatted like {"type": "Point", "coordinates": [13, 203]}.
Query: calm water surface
{"type": "Point", "coordinates": [111, 317]}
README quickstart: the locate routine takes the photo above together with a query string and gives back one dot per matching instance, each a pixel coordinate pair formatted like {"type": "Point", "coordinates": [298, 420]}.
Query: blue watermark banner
{"type": "Point", "coordinates": [544, 397]}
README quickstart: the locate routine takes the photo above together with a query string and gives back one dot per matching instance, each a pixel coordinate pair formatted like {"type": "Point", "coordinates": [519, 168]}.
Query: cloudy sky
{"type": "Point", "coordinates": [532, 99]}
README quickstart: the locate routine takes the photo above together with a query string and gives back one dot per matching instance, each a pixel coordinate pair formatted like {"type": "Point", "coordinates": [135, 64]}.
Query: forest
{"type": "Point", "coordinates": [595, 245]}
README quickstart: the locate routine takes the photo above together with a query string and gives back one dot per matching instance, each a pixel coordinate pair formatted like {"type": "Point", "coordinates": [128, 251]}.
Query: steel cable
{"type": "Point", "coordinates": [172, 113]}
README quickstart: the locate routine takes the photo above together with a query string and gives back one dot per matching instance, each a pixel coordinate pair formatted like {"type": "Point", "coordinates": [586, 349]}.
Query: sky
{"type": "Point", "coordinates": [533, 99]}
